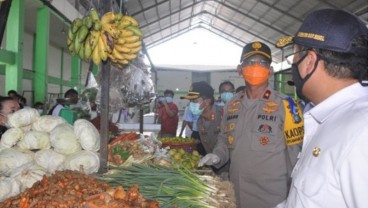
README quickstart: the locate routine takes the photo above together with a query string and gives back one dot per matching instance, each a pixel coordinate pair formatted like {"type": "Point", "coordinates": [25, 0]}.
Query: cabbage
{"type": "Point", "coordinates": [11, 137]}
{"type": "Point", "coordinates": [50, 160]}
{"type": "Point", "coordinates": [12, 158]}
{"type": "Point", "coordinates": [86, 161]}
{"type": "Point", "coordinates": [9, 187]}
{"type": "Point", "coordinates": [28, 174]}
{"type": "Point", "coordinates": [35, 140]}
{"type": "Point", "coordinates": [47, 123]}
{"type": "Point", "coordinates": [23, 117]}
{"type": "Point", "coordinates": [87, 135]}
{"type": "Point", "coordinates": [64, 140]}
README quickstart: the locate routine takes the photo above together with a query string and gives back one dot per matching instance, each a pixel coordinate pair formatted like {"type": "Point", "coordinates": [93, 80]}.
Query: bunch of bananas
{"type": "Point", "coordinates": [115, 36]}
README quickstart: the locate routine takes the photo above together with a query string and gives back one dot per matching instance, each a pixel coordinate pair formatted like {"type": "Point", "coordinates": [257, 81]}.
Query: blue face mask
{"type": "Point", "coordinates": [194, 108]}
{"type": "Point", "coordinates": [226, 96]}
{"type": "Point", "coordinates": [169, 99]}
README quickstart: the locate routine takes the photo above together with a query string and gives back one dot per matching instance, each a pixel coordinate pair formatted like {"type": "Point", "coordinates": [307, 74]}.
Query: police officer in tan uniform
{"type": "Point", "coordinates": [209, 121]}
{"type": "Point", "coordinates": [261, 133]}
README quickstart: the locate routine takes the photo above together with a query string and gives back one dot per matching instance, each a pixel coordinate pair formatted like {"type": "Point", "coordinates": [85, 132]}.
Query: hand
{"type": "Point", "coordinates": [209, 159]}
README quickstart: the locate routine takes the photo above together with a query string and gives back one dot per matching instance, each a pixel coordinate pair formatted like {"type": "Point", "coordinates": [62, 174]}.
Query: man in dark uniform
{"type": "Point", "coordinates": [209, 121]}
{"type": "Point", "coordinates": [261, 133]}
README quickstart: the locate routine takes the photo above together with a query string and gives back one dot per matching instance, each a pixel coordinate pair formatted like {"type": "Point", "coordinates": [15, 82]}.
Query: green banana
{"type": "Point", "coordinates": [77, 45]}
{"type": "Point", "coordinates": [87, 48]}
{"type": "Point", "coordinates": [88, 22]}
{"type": "Point", "coordinates": [71, 35]}
{"type": "Point", "coordinates": [118, 16]}
{"type": "Point", "coordinates": [82, 33]}
{"type": "Point", "coordinates": [94, 15]}
{"type": "Point", "coordinates": [81, 52]}
{"type": "Point", "coordinates": [135, 30]}
{"type": "Point", "coordinates": [77, 23]}
{"type": "Point", "coordinates": [71, 47]}
{"type": "Point", "coordinates": [97, 25]}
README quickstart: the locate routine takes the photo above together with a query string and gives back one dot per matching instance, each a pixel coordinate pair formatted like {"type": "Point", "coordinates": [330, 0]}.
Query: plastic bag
{"type": "Point", "coordinates": [47, 123]}
{"type": "Point", "coordinates": [23, 117]}
{"type": "Point", "coordinates": [86, 161]}
{"type": "Point", "coordinates": [87, 135]}
{"type": "Point", "coordinates": [64, 140]}
{"type": "Point", "coordinates": [11, 137]}
{"type": "Point", "coordinates": [9, 187]}
{"type": "Point", "coordinates": [137, 87]}
{"type": "Point", "coordinates": [35, 140]}
{"type": "Point", "coordinates": [129, 86]}
{"type": "Point", "coordinates": [50, 160]}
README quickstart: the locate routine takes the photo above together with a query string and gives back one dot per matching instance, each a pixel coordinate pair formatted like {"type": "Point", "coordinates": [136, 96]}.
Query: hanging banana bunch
{"type": "Point", "coordinates": [114, 36]}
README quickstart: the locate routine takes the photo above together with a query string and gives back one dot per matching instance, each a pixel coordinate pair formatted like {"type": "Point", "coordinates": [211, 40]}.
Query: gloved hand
{"type": "Point", "coordinates": [209, 159]}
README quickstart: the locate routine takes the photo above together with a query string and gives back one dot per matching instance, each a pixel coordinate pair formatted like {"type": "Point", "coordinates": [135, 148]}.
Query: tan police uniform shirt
{"type": "Point", "coordinates": [209, 129]}
{"type": "Point", "coordinates": [254, 138]}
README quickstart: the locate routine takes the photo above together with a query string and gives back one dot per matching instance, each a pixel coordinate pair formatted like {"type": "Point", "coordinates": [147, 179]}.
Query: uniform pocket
{"type": "Point", "coordinates": [312, 184]}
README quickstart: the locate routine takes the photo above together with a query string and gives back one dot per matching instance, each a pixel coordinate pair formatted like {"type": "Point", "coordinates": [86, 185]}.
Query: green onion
{"type": "Point", "coordinates": [174, 187]}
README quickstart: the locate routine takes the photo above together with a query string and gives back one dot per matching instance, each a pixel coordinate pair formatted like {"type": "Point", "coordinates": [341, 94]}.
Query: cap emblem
{"type": "Point", "coordinates": [257, 45]}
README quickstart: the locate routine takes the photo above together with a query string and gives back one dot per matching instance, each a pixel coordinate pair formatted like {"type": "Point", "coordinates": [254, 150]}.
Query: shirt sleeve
{"type": "Point", "coordinates": [353, 172]}
{"type": "Point", "coordinates": [221, 149]}
{"type": "Point", "coordinates": [189, 116]}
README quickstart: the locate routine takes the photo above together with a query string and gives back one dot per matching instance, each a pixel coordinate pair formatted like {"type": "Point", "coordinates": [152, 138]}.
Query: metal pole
{"type": "Point", "coordinates": [105, 83]}
{"type": "Point", "coordinates": [141, 119]}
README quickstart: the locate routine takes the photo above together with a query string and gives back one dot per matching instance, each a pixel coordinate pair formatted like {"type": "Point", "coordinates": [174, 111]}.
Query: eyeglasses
{"type": "Point", "coordinates": [289, 58]}
{"type": "Point", "coordinates": [252, 61]}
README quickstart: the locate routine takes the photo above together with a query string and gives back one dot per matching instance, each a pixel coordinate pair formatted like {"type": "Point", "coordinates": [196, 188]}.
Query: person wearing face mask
{"type": "Point", "coordinates": [39, 107]}
{"type": "Point", "coordinates": [329, 68]}
{"type": "Point", "coordinates": [261, 134]}
{"type": "Point", "coordinates": [168, 114]}
{"type": "Point", "coordinates": [209, 121]}
{"type": "Point", "coordinates": [8, 105]}
{"type": "Point", "coordinates": [226, 90]}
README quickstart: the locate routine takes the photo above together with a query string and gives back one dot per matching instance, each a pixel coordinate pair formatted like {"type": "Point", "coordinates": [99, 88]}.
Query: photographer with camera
{"type": "Point", "coordinates": [168, 114]}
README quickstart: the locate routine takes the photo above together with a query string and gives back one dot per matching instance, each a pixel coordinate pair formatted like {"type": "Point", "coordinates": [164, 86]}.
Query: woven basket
{"type": "Point", "coordinates": [188, 147]}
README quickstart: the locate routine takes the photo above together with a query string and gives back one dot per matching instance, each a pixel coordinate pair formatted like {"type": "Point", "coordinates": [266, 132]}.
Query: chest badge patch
{"type": "Point", "coordinates": [264, 140]}
{"type": "Point", "coordinates": [271, 104]}
{"type": "Point", "coordinates": [264, 128]}
{"type": "Point", "coordinates": [233, 110]}
{"type": "Point", "coordinates": [230, 139]}
{"type": "Point", "coordinates": [233, 104]}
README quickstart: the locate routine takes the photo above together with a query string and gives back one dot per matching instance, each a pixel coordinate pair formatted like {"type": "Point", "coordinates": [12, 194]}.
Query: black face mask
{"type": "Point", "coordinates": [298, 81]}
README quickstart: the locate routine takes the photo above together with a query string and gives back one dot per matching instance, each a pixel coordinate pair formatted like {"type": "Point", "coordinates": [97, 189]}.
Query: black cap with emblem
{"type": "Point", "coordinates": [256, 48]}
{"type": "Point", "coordinates": [199, 89]}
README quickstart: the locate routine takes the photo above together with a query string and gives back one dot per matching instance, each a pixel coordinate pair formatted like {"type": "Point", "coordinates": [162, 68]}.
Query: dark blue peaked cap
{"type": "Point", "coordinates": [330, 29]}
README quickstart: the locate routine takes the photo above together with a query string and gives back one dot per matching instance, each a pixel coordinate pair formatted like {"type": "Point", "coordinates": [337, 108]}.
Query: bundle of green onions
{"type": "Point", "coordinates": [174, 187]}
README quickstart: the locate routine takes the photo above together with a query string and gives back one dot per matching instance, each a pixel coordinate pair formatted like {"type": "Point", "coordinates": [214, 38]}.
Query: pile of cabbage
{"type": "Point", "coordinates": [37, 145]}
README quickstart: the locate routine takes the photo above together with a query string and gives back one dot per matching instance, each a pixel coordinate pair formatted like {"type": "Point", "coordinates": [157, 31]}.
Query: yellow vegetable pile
{"type": "Point", "coordinates": [115, 36]}
{"type": "Point", "coordinates": [182, 158]}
